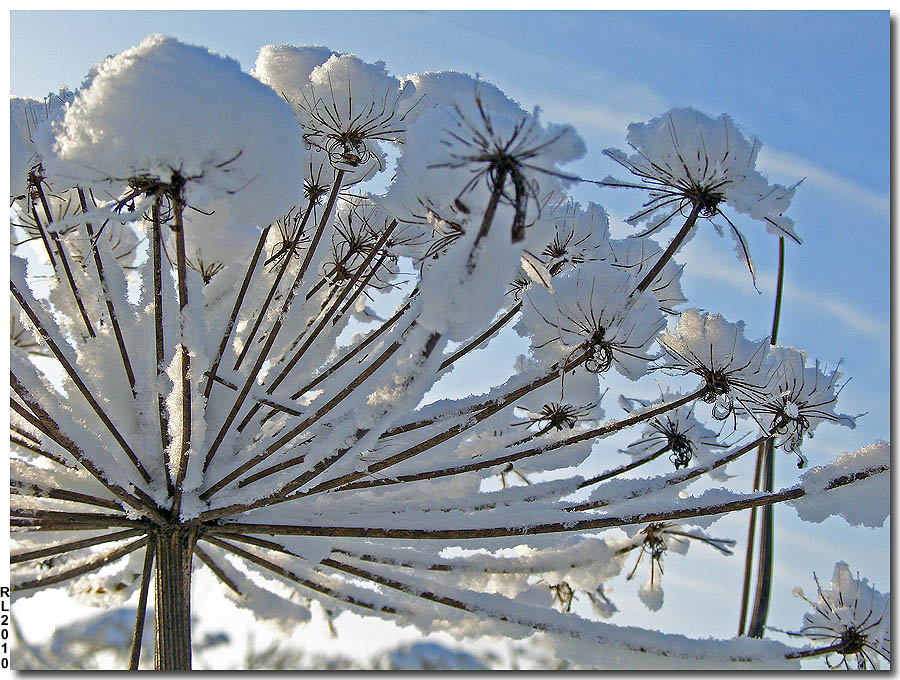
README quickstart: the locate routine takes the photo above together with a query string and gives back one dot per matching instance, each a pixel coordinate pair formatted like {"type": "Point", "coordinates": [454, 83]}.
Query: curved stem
{"type": "Point", "coordinates": [670, 251]}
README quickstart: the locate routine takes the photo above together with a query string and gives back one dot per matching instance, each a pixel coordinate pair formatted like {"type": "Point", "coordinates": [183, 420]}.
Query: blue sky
{"type": "Point", "coordinates": [813, 86]}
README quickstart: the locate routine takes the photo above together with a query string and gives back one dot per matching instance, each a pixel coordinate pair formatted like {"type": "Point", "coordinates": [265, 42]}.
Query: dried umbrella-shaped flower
{"type": "Point", "coordinates": [851, 618]}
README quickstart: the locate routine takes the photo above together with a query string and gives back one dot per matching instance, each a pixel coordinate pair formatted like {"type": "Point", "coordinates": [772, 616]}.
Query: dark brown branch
{"type": "Point", "coordinates": [670, 251]}
{"type": "Point", "coordinates": [110, 308]}
{"type": "Point", "coordinates": [53, 430]}
{"type": "Point", "coordinates": [83, 569]}
{"type": "Point", "coordinates": [156, 238]}
{"type": "Point", "coordinates": [15, 558]}
{"type": "Point", "coordinates": [496, 326]}
{"type": "Point", "coordinates": [79, 383]}
{"type": "Point", "coordinates": [39, 491]}
{"type": "Point", "coordinates": [63, 260]}
{"type": "Point", "coordinates": [290, 576]}
{"type": "Point", "coordinates": [286, 369]}
{"type": "Point", "coordinates": [239, 300]}
{"type": "Point", "coordinates": [347, 483]}
{"type": "Point", "coordinates": [216, 569]}
{"type": "Point", "coordinates": [248, 341]}
{"type": "Point", "coordinates": [181, 266]}
{"type": "Point", "coordinates": [39, 451]}
{"type": "Point", "coordinates": [138, 635]}
{"type": "Point", "coordinates": [553, 527]}
{"type": "Point", "coordinates": [615, 472]}
{"type": "Point", "coordinates": [273, 333]}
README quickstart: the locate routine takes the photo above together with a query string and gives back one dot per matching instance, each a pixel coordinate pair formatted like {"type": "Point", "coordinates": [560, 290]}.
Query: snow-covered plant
{"type": "Point", "coordinates": [227, 354]}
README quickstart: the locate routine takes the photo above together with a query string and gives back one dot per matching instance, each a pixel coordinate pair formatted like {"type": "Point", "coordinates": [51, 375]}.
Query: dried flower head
{"type": "Point", "coordinates": [734, 368]}
{"type": "Point", "coordinates": [685, 159]}
{"type": "Point", "coordinates": [851, 618]}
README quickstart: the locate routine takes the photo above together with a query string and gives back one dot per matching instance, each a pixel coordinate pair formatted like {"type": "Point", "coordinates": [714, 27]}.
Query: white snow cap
{"type": "Point", "coordinates": [165, 108]}
{"type": "Point", "coordinates": [286, 68]}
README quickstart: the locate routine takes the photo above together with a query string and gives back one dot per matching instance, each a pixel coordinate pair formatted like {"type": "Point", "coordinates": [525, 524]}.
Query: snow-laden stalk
{"type": "Point", "coordinates": [673, 247]}
{"type": "Point", "coordinates": [162, 412]}
{"type": "Point", "coordinates": [273, 332]}
{"type": "Point", "coordinates": [186, 420]}
{"type": "Point", "coordinates": [238, 301]}
{"type": "Point", "coordinates": [110, 308]}
{"type": "Point", "coordinates": [60, 251]}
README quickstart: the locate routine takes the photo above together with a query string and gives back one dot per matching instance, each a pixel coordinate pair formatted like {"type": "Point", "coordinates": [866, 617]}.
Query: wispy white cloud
{"type": "Point", "coordinates": [704, 266]}
{"type": "Point", "coordinates": [783, 163]}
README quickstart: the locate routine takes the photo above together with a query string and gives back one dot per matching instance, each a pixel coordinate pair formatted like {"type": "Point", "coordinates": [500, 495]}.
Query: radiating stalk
{"type": "Point", "coordinates": [226, 335]}
{"type": "Point", "coordinates": [156, 238]}
{"type": "Point", "coordinates": [270, 341]}
{"type": "Point", "coordinates": [110, 309]}
{"type": "Point", "coordinates": [138, 634]}
{"type": "Point", "coordinates": [181, 265]}
{"type": "Point", "coordinates": [670, 251]}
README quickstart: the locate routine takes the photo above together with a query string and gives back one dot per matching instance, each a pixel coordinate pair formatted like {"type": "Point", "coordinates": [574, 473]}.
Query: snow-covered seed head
{"type": "Point", "coordinates": [556, 415]}
{"type": "Point", "coordinates": [349, 107]}
{"type": "Point", "coordinates": [687, 160]}
{"type": "Point", "coordinates": [850, 619]}
{"type": "Point", "coordinates": [580, 235]}
{"type": "Point", "coordinates": [507, 154]}
{"type": "Point", "coordinates": [678, 431]}
{"type": "Point", "coordinates": [589, 312]}
{"type": "Point", "coordinates": [734, 369]}
{"type": "Point", "coordinates": [800, 398]}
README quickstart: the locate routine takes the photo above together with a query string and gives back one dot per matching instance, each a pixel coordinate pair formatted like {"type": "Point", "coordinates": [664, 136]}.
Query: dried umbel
{"type": "Point", "coordinates": [851, 619]}
{"type": "Point", "coordinates": [256, 396]}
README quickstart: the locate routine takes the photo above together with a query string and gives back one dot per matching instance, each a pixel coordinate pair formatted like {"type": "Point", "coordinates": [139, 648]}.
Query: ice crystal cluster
{"type": "Point", "coordinates": [225, 353]}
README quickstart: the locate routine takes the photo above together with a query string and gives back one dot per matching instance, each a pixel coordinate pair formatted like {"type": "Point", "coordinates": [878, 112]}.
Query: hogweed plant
{"type": "Point", "coordinates": [221, 347]}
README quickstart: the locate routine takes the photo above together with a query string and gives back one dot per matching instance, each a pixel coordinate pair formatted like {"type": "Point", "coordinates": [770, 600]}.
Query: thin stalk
{"type": "Point", "coordinates": [615, 472]}
{"type": "Point", "coordinates": [43, 234]}
{"type": "Point", "coordinates": [226, 335]}
{"type": "Point", "coordinates": [79, 383]}
{"type": "Point", "coordinates": [38, 491]}
{"type": "Point", "coordinates": [286, 369]}
{"type": "Point", "coordinates": [670, 251]}
{"type": "Point", "coordinates": [54, 432]}
{"type": "Point", "coordinates": [349, 480]}
{"type": "Point", "coordinates": [496, 326]}
{"type": "Point", "coordinates": [256, 460]}
{"type": "Point", "coordinates": [63, 259]}
{"type": "Point", "coordinates": [289, 575]}
{"type": "Point", "coordinates": [216, 569]}
{"type": "Point", "coordinates": [181, 265]}
{"type": "Point", "coordinates": [488, 218]}
{"type": "Point", "coordinates": [248, 341]}
{"type": "Point", "coordinates": [110, 309]}
{"type": "Point", "coordinates": [701, 510]}
{"type": "Point", "coordinates": [141, 615]}
{"type": "Point", "coordinates": [39, 451]}
{"type": "Point", "coordinates": [16, 558]}
{"type": "Point", "coordinates": [82, 569]}
{"type": "Point", "coordinates": [262, 400]}
{"type": "Point", "coordinates": [751, 540]}
{"type": "Point", "coordinates": [156, 238]}
{"type": "Point", "coordinates": [270, 340]}
{"type": "Point", "coordinates": [757, 624]}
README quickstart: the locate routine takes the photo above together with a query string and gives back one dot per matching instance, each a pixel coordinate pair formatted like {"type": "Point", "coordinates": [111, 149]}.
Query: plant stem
{"type": "Point", "coordinates": [174, 550]}
{"type": "Point", "coordinates": [211, 375]}
{"type": "Point", "coordinates": [110, 309]}
{"type": "Point", "coordinates": [141, 615]}
{"type": "Point", "coordinates": [756, 627]}
{"type": "Point", "coordinates": [670, 251]}
{"type": "Point", "coordinates": [270, 341]}
{"type": "Point", "coordinates": [156, 238]}
{"type": "Point", "coordinates": [181, 265]}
